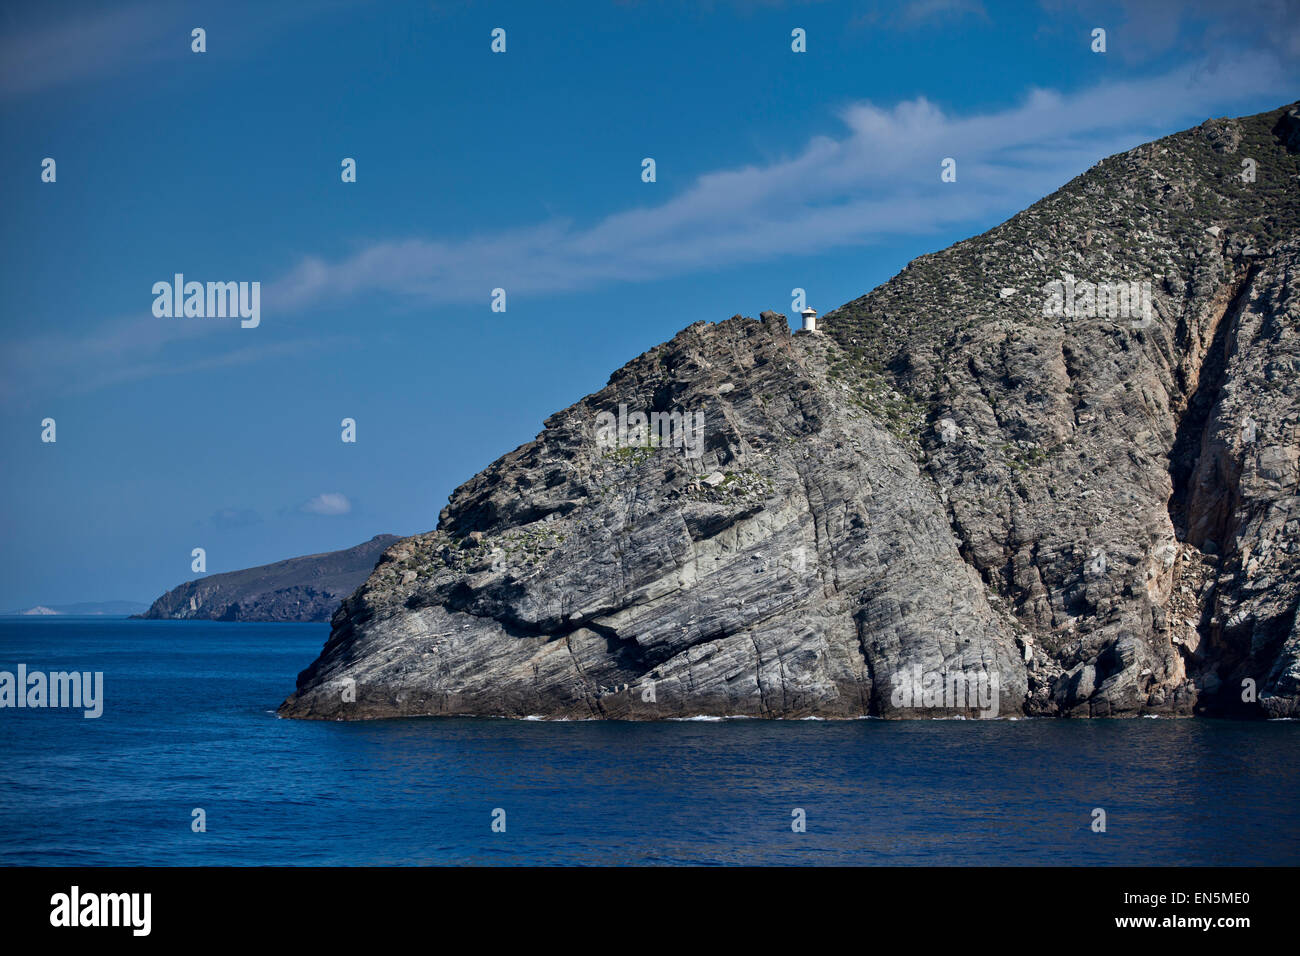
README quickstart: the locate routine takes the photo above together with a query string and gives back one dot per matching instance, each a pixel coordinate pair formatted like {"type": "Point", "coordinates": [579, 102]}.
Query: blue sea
{"type": "Point", "coordinates": [188, 723]}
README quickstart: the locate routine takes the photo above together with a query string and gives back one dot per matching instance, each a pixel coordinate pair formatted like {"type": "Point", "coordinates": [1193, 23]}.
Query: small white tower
{"type": "Point", "coordinates": [809, 320]}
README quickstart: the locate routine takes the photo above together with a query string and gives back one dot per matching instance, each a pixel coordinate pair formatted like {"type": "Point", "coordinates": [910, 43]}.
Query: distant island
{"type": "Point", "coordinates": [87, 608]}
{"type": "Point", "coordinates": [305, 589]}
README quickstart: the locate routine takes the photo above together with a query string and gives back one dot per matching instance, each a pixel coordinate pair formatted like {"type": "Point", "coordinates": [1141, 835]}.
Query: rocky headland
{"type": "Point", "coordinates": [309, 588]}
{"type": "Point", "coordinates": [1058, 462]}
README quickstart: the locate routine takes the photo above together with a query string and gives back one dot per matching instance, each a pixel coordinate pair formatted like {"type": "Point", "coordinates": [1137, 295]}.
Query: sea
{"type": "Point", "coordinates": [188, 766]}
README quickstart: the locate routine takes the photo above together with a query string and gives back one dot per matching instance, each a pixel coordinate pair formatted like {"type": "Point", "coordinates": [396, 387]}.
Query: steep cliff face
{"type": "Point", "coordinates": [994, 485]}
{"type": "Point", "coordinates": [309, 588]}
{"type": "Point", "coordinates": [1242, 495]}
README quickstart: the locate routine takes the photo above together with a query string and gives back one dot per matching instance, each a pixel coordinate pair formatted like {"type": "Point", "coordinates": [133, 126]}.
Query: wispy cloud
{"type": "Point", "coordinates": [330, 503]}
{"type": "Point", "coordinates": [921, 13]}
{"type": "Point", "coordinates": [81, 46]}
{"type": "Point", "coordinates": [877, 177]}
{"type": "Point", "coordinates": [1207, 29]}
{"type": "Point", "coordinates": [76, 43]}
{"type": "Point", "coordinates": [134, 348]}
{"type": "Point", "coordinates": [230, 518]}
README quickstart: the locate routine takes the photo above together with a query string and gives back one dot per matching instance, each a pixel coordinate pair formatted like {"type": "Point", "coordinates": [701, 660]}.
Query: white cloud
{"type": "Point", "coordinates": [80, 47]}
{"type": "Point", "coordinates": [928, 12]}
{"type": "Point", "coordinates": [76, 44]}
{"type": "Point", "coordinates": [876, 177]}
{"type": "Point", "coordinates": [330, 503]}
{"type": "Point", "coordinates": [1211, 28]}
{"type": "Point", "coordinates": [879, 176]}
{"type": "Point", "coordinates": [134, 348]}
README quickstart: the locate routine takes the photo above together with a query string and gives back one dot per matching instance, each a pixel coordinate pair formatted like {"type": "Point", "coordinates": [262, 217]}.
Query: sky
{"type": "Point", "coordinates": [478, 170]}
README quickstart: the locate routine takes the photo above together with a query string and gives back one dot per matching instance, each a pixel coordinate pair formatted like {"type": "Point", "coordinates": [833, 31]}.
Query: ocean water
{"type": "Point", "coordinates": [188, 723]}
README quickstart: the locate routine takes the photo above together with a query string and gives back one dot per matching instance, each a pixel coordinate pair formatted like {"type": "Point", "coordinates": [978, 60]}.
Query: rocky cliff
{"type": "Point", "coordinates": [309, 588]}
{"type": "Point", "coordinates": [1051, 470]}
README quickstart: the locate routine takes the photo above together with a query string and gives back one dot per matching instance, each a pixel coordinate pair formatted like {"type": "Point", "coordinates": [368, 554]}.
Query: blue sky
{"type": "Point", "coordinates": [477, 170]}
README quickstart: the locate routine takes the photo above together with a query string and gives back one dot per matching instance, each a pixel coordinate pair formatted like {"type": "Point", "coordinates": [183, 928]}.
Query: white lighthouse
{"type": "Point", "coordinates": [809, 320]}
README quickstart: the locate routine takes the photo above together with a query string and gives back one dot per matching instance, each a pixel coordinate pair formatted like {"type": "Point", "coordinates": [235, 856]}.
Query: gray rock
{"type": "Point", "coordinates": [308, 588]}
{"type": "Point", "coordinates": [1101, 459]}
